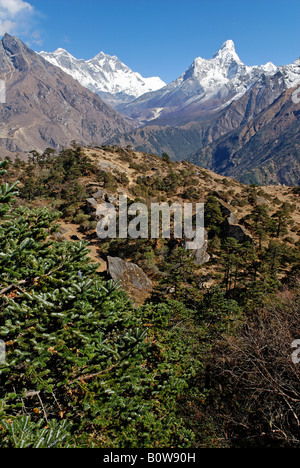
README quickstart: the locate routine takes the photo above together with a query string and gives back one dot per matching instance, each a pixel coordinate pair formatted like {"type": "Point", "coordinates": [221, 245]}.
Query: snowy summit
{"type": "Point", "coordinates": [105, 75]}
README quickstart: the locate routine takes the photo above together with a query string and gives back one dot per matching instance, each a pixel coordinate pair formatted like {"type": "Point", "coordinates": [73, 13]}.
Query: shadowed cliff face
{"type": "Point", "coordinates": [46, 107]}
{"type": "Point", "coordinates": [254, 140]}
{"type": "Point", "coordinates": [183, 140]}
{"type": "Point", "coordinates": [15, 52]}
{"type": "Point", "coordinates": [207, 87]}
{"type": "Point", "coordinates": [264, 150]}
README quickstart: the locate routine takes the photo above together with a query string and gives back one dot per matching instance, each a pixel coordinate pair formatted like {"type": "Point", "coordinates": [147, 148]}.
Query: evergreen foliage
{"type": "Point", "coordinates": [195, 366]}
{"type": "Point", "coordinates": [77, 352]}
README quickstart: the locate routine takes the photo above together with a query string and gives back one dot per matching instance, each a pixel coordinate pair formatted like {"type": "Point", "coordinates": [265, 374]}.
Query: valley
{"type": "Point", "coordinates": [137, 341]}
{"type": "Point", "coordinates": [195, 117]}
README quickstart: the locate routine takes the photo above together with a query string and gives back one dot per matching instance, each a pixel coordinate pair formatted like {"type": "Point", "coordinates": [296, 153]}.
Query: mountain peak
{"type": "Point", "coordinates": [14, 53]}
{"type": "Point", "coordinates": [105, 75]}
{"type": "Point", "coordinates": [228, 45]}
{"type": "Point", "coordinates": [60, 51]}
{"type": "Point", "coordinates": [8, 41]}
{"type": "Point", "coordinates": [269, 67]}
{"type": "Point", "coordinates": [225, 65]}
{"type": "Point", "coordinates": [99, 55]}
{"type": "Point", "coordinates": [104, 56]}
{"type": "Point", "coordinates": [227, 51]}
{"type": "Point", "coordinates": [9, 37]}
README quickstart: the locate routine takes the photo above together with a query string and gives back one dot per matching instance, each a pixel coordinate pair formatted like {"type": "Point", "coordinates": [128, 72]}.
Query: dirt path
{"type": "Point", "coordinates": [73, 230]}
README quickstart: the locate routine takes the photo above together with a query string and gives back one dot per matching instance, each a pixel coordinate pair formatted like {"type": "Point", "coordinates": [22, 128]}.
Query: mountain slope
{"type": "Point", "coordinates": [46, 107]}
{"type": "Point", "coordinates": [206, 87]}
{"type": "Point", "coordinates": [265, 150]}
{"type": "Point", "coordinates": [105, 75]}
{"type": "Point", "coordinates": [180, 142]}
{"type": "Point", "coordinates": [212, 98]}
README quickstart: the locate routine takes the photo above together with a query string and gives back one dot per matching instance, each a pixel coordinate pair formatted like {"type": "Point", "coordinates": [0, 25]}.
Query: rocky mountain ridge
{"type": "Point", "coordinates": [183, 140]}
{"type": "Point", "coordinates": [105, 75]}
{"type": "Point", "coordinates": [205, 88]}
{"type": "Point", "coordinates": [45, 107]}
{"type": "Point", "coordinates": [265, 150]}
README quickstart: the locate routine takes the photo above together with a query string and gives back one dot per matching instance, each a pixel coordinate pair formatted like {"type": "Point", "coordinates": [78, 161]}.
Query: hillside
{"type": "Point", "coordinates": [182, 138]}
{"type": "Point", "coordinates": [264, 150]}
{"type": "Point", "coordinates": [45, 107]}
{"type": "Point", "coordinates": [152, 345]}
{"type": "Point", "coordinates": [105, 75]}
{"type": "Point", "coordinates": [108, 171]}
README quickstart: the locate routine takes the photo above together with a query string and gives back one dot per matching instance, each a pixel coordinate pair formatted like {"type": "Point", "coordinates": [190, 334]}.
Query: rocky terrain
{"type": "Point", "coordinates": [263, 151]}
{"type": "Point", "coordinates": [106, 76]}
{"type": "Point", "coordinates": [45, 107]}
{"type": "Point", "coordinates": [142, 327]}
{"type": "Point", "coordinates": [138, 175]}
{"type": "Point", "coordinates": [180, 141]}
{"type": "Point", "coordinates": [234, 119]}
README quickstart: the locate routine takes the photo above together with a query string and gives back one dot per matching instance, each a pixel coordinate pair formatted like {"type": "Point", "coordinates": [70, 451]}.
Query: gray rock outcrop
{"type": "Point", "coordinates": [230, 227]}
{"type": "Point", "coordinates": [236, 231]}
{"type": "Point", "coordinates": [200, 254]}
{"type": "Point", "coordinates": [133, 279]}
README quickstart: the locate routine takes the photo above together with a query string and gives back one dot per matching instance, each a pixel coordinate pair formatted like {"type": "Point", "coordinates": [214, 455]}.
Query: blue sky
{"type": "Point", "coordinates": [158, 37]}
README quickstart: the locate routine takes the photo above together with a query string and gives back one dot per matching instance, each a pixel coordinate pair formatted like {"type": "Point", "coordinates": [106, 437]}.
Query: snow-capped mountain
{"type": "Point", "coordinates": [46, 107]}
{"type": "Point", "coordinates": [291, 74]}
{"type": "Point", "coordinates": [207, 86]}
{"type": "Point", "coordinates": [105, 75]}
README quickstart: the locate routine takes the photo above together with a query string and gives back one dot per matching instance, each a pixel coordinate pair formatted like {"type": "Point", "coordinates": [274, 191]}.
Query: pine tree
{"type": "Point", "coordinates": [213, 216]}
{"type": "Point", "coordinates": [260, 223]}
{"type": "Point", "coordinates": [283, 220]}
{"type": "Point", "coordinates": [76, 350]}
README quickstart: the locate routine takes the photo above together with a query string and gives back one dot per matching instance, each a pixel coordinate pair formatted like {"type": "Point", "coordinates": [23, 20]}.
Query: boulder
{"type": "Point", "coordinates": [236, 231]}
{"type": "Point", "coordinates": [99, 195]}
{"type": "Point", "coordinates": [104, 165]}
{"type": "Point", "coordinates": [60, 234]}
{"type": "Point", "coordinates": [200, 254]}
{"type": "Point", "coordinates": [110, 199]}
{"type": "Point", "coordinates": [262, 201]}
{"type": "Point", "coordinates": [232, 219]}
{"type": "Point", "coordinates": [230, 227]}
{"type": "Point", "coordinates": [91, 205]}
{"type": "Point", "coordinates": [103, 210]}
{"type": "Point", "coordinates": [133, 279]}
{"type": "Point", "coordinates": [98, 208]}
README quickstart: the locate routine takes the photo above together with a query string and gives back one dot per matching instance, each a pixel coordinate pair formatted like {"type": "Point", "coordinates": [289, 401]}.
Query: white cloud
{"type": "Point", "coordinates": [13, 7]}
{"type": "Point", "coordinates": [14, 14]}
{"type": "Point", "coordinates": [6, 26]}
